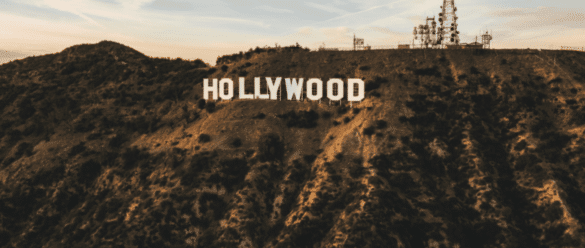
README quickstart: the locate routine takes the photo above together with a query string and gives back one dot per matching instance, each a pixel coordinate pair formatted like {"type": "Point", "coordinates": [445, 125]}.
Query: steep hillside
{"type": "Point", "coordinates": [102, 146]}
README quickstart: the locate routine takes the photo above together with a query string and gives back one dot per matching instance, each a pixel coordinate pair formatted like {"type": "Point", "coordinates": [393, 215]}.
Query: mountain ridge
{"type": "Point", "coordinates": [450, 148]}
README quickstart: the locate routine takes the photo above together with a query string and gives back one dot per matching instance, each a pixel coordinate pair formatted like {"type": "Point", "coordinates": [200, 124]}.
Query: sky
{"type": "Point", "coordinates": [195, 29]}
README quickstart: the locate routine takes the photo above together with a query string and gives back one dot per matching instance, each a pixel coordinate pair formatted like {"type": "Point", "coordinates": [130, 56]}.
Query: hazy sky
{"type": "Point", "coordinates": [193, 29]}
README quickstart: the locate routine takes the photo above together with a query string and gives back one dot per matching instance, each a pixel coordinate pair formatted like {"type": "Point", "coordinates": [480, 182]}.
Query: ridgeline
{"type": "Point", "coordinates": [102, 146]}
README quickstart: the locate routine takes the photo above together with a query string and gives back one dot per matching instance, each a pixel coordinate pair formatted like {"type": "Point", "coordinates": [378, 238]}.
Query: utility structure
{"type": "Point", "coordinates": [358, 43]}
{"type": "Point", "coordinates": [428, 33]}
{"type": "Point", "coordinates": [444, 35]}
{"type": "Point", "coordinates": [486, 39]}
{"type": "Point", "coordinates": [448, 33]}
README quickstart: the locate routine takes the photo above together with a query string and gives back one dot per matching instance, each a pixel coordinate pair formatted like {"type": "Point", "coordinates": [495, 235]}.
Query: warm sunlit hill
{"type": "Point", "coordinates": [101, 146]}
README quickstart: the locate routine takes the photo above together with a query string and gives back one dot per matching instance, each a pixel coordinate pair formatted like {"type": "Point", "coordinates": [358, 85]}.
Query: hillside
{"type": "Point", "coordinates": [102, 146]}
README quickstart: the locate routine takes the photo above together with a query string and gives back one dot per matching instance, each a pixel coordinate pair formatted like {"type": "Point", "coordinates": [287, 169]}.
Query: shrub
{"type": "Point", "coordinates": [204, 138]}
{"type": "Point", "coordinates": [270, 147]}
{"type": "Point", "coordinates": [369, 130]}
{"type": "Point", "coordinates": [364, 68]}
{"type": "Point", "coordinates": [84, 125]}
{"type": "Point", "coordinates": [372, 85]}
{"type": "Point", "coordinates": [210, 107]}
{"type": "Point", "coordinates": [432, 71]}
{"type": "Point", "coordinates": [224, 68]}
{"type": "Point", "coordinates": [342, 109]}
{"type": "Point", "coordinates": [88, 171]}
{"type": "Point", "coordinates": [302, 119]}
{"type": "Point", "coordinates": [22, 148]}
{"type": "Point", "coordinates": [309, 159]}
{"type": "Point", "coordinates": [79, 148]}
{"type": "Point", "coordinates": [381, 124]}
{"type": "Point", "coordinates": [25, 108]}
{"type": "Point", "coordinates": [117, 141]}
{"type": "Point", "coordinates": [201, 103]}
{"type": "Point", "coordinates": [237, 142]}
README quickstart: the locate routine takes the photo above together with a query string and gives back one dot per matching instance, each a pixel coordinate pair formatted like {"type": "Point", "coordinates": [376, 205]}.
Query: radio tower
{"type": "Point", "coordinates": [448, 34]}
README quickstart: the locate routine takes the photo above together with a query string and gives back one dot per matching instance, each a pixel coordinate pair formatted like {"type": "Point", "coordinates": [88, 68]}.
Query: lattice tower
{"type": "Point", "coordinates": [448, 19]}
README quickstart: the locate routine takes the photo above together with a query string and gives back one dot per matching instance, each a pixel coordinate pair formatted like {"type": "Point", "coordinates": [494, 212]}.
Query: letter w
{"type": "Point", "coordinates": [294, 88]}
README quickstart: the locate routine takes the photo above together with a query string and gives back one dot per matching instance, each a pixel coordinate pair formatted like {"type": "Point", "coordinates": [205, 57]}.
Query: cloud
{"type": "Point", "coordinates": [327, 8]}
{"type": "Point", "coordinates": [134, 4]}
{"type": "Point", "coordinates": [134, 11]}
{"type": "Point", "coordinates": [171, 5]}
{"type": "Point", "coordinates": [68, 6]}
{"type": "Point", "coordinates": [337, 35]}
{"type": "Point", "coordinates": [272, 9]}
{"type": "Point", "coordinates": [528, 18]}
{"type": "Point", "coordinates": [306, 30]}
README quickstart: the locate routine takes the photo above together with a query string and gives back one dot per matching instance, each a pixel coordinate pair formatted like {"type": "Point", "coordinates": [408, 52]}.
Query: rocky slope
{"type": "Point", "coordinates": [102, 146]}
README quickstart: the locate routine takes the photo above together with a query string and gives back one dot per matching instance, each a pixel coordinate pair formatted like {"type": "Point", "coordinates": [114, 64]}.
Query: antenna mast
{"type": "Point", "coordinates": [448, 20]}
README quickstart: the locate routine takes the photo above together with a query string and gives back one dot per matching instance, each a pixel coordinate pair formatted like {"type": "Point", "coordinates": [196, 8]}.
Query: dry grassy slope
{"type": "Point", "coordinates": [449, 148]}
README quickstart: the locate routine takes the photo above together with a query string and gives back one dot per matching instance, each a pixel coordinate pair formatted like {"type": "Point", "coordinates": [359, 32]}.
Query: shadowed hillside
{"type": "Point", "coordinates": [102, 146]}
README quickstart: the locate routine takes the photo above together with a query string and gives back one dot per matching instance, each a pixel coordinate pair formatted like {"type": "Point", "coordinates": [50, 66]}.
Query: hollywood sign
{"type": "Point", "coordinates": [294, 88]}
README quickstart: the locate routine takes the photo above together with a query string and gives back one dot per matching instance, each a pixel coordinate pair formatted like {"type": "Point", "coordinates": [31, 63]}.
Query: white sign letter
{"type": "Point", "coordinates": [207, 88]}
{"type": "Point", "coordinates": [351, 89]}
{"type": "Point", "coordinates": [330, 92]}
{"type": "Point", "coordinates": [319, 89]}
{"type": "Point", "coordinates": [273, 87]}
{"type": "Point", "coordinates": [294, 88]}
{"type": "Point", "coordinates": [257, 89]}
{"type": "Point", "coordinates": [243, 94]}
{"type": "Point", "coordinates": [230, 89]}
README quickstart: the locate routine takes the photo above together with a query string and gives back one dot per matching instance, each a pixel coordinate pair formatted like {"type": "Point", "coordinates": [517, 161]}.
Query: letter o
{"type": "Point", "coordinates": [230, 89]}
{"type": "Point", "coordinates": [339, 83]}
{"type": "Point", "coordinates": [309, 88]}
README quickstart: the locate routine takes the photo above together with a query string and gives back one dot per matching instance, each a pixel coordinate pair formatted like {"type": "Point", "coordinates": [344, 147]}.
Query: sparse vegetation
{"type": "Point", "coordinates": [210, 107]}
{"type": "Point", "coordinates": [237, 142]}
{"type": "Point", "coordinates": [364, 68]}
{"type": "Point", "coordinates": [270, 147]}
{"type": "Point", "coordinates": [201, 103]}
{"type": "Point", "coordinates": [204, 138]}
{"type": "Point", "coordinates": [369, 130]}
{"type": "Point", "coordinates": [301, 119]}
{"type": "Point", "coordinates": [73, 176]}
